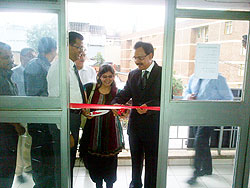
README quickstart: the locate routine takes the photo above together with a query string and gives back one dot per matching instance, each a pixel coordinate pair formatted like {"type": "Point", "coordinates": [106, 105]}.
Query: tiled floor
{"type": "Point", "coordinates": [177, 176]}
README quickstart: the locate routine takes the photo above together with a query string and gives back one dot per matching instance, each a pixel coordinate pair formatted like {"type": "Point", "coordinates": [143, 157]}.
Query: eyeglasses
{"type": "Point", "coordinates": [141, 58]}
{"type": "Point", "coordinates": [110, 76]}
{"type": "Point", "coordinates": [83, 55]}
{"type": "Point", "coordinates": [80, 48]}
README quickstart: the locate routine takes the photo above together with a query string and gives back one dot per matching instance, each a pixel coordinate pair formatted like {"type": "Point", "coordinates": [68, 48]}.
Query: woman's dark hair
{"type": "Point", "coordinates": [103, 69]}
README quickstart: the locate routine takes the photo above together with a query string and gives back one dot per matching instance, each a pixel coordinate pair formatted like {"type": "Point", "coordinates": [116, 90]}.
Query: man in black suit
{"type": "Point", "coordinates": [144, 87]}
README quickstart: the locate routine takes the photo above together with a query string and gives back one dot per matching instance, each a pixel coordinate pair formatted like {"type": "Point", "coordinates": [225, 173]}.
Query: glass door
{"type": "Point", "coordinates": [199, 43]}
{"type": "Point", "coordinates": [33, 36]}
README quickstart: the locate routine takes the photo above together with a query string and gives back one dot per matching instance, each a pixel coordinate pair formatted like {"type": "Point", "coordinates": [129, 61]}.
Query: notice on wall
{"type": "Point", "coordinates": [207, 61]}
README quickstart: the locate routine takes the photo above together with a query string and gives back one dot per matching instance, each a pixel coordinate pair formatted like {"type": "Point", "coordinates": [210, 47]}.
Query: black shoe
{"type": "Point", "coordinates": [192, 180]}
{"type": "Point", "coordinates": [109, 185]}
{"type": "Point", "coordinates": [99, 186]}
{"type": "Point", "coordinates": [21, 179]}
{"type": "Point", "coordinates": [131, 185]}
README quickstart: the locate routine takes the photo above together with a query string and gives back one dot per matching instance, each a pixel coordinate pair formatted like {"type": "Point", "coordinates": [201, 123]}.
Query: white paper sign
{"type": "Point", "coordinates": [207, 61]}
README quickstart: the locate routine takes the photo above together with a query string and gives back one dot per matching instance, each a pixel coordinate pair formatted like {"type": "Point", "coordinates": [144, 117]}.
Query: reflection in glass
{"type": "Point", "coordinates": [35, 73]}
{"type": "Point", "coordinates": [223, 54]}
{"type": "Point", "coordinates": [17, 77]}
{"type": "Point", "coordinates": [45, 154]}
{"type": "Point", "coordinates": [183, 157]}
{"type": "Point", "coordinates": [45, 149]}
{"type": "Point", "coordinates": [8, 131]}
{"type": "Point", "coordinates": [23, 31]}
{"type": "Point", "coordinates": [31, 154]}
{"type": "Point", "coordinates": [208, 89]}
{"type": "Point", "coordinates": [8, 153]}
{"type": "Point", "coordinates": [242, 5]}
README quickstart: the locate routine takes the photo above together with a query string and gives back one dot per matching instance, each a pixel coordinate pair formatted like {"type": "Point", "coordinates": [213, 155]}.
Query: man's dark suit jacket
{"type": "Point", "coordinates": [146, 126]}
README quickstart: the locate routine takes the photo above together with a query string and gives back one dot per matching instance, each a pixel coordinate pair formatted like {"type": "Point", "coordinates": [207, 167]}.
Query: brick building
{"type": "Point", "coordinates": [188, 33]}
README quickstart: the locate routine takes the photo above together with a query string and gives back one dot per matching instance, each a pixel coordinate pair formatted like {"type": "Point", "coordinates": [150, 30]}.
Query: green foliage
{"type": "Point", "coordinates": [38, 31]}
{"type": "Point", "coordinates": [99, 59]}
{"type": "Point", "coordinates": [177, 86]}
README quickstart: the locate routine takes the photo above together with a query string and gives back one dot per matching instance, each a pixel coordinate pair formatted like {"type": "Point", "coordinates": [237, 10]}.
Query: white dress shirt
{"type": "Point", "coordinates": [87, 74]}
{"type": "Point", "coordinates": [53, 82]}
{"type": "Point", "coordinates": [209, 89]}
{"type": "Point", "coordinates": [74, 89]}
{"type": "Point", "coordinates": [149, 69]}
{"type": "Point", "coordinates": [18, 78]}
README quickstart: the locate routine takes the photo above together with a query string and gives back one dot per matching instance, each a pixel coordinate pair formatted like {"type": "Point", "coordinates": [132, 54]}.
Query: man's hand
{"type": "Point", "coordinates": [142, 111]}
{"type": "Point", "coordinates": [19, 128]}
{"type": "Point", "coordinates": [123, 113]}
{"type": "Point", "coordinates": [193, 96]}
{"type": "Point", "coordinates": [72, 141]}
{"type": "Point", "coordinates": [115, 111]}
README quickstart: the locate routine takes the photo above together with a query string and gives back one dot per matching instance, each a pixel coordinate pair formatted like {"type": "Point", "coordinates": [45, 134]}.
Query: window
{"type": "Point", "coordinates": [199, 33]}
{"type": "Point", "coordinates": [241, 70]}
{"type": "Point", "coordinates": [191, 32]}
{"type": "Point", "coordinates": [27, 38]}
{"type": "Point", "coordinates": [202, 33]}
{"type": "Point", "coordinates": [228, 28]}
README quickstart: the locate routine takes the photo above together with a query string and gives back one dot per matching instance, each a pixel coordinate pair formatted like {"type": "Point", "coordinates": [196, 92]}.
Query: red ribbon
{"type": "Point", "coordinates": [101, 106]}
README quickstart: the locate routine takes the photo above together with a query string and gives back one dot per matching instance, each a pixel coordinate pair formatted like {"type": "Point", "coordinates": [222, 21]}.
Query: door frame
{"type": "Point", "coordinates": [44, 109]}
{"type": "Point", "coordinates": [224, 113]}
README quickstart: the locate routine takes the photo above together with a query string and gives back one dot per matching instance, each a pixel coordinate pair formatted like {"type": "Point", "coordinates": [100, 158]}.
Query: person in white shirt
{"type": "Point", "coordinates": [24, 141]}
{"type": "Point", "coordinates": [76, 91]}
{"type": "Point", "coordinates": [17, 77]}
{"type": "Point", "coordinates": [86, 72]}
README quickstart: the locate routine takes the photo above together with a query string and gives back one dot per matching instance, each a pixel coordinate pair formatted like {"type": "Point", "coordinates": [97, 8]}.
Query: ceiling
{"type": "Point", "coordinates": [208, 4]}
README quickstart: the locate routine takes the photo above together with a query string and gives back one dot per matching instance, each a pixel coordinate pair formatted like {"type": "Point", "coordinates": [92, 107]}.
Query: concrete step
{"type": "Point", "coordinates": [179, 157]}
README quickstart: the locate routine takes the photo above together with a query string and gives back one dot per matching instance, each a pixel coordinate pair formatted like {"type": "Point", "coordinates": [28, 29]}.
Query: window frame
{"type": "Point", "coordinates": [229, 113]}
{"type": "Point", "coordinates": [228, 28]}
{"type": "Point", "coordinates": [44, 109]}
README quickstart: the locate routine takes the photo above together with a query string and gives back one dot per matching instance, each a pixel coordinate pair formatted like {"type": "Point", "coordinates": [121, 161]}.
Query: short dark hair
{"type": "Point", "coordinates": [46, 45]}
{"type": "Point", "coordinates": [147, 47]}
{"type": "Point", "coordinates": [73, 36]}
{"type": "Point", "coordinates": [4, 46]}
{"type": "Point", "coordinates": [25, 51]}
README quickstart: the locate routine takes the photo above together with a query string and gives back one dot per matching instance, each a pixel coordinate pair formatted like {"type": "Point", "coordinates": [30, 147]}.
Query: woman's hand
{"type": "Point", "coordinates": [86, 113]}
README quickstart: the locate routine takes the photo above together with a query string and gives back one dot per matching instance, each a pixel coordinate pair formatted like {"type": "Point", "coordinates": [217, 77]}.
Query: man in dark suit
{"type": "Point", "coordinates": [144, 87]}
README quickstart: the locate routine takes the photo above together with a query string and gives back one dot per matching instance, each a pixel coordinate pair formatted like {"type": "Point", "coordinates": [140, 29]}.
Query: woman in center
{"type": "Point", "coordinates": [102, 137]}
